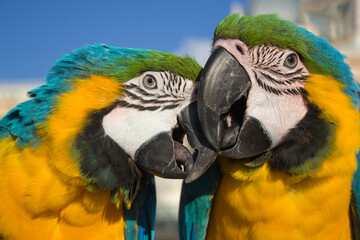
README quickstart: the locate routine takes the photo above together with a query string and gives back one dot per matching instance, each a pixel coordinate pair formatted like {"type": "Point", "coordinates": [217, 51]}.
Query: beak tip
{"type": "Point", "coordinates": [203, 161]}
{"type": "Point", "coordinates": [193, 176]}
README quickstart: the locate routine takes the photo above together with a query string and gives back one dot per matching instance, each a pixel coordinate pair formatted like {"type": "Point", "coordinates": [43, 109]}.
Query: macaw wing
{"type": "Point", "coordinates": [195, 204]}
{"type": "Point", "coordinates": [21, 121]}
{"type": "Point", "coordinates": [140, 218]}
{"type": "Point", "coordinates": [4, 131]}
{"type": "Point", "coordinates": [355, 202]}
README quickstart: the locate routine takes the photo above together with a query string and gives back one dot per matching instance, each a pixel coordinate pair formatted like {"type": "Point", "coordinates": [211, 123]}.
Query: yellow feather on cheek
{"type": "Point", "coordinates": [42, 192]}
{"type": "Point", "coordinates": [265, 204]}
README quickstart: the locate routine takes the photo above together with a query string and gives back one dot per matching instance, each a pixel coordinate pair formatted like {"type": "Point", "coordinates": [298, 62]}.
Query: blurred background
{"type": "Point", "coordinates": [34, 34]}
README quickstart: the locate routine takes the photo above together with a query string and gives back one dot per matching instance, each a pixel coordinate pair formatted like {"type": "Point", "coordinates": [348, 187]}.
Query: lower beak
{"type": "Point", "coordinates": [204, 154]}
{"type": "Point", "coordinates": [164, 157]}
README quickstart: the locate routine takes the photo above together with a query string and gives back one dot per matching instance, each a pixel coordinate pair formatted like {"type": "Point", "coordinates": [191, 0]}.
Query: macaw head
{"type": "Point", "coordinates": [260, 90]}
{"type": "Point", "coordinates": [112, 112]}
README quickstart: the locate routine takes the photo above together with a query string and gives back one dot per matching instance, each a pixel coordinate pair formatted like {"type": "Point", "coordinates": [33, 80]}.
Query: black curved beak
{"type": "Point", "coordinates": [224, 81]}
{"type": "Point", "coordinates": [221, 107]}
{"type": "Point", "coordinates": [164, 157]}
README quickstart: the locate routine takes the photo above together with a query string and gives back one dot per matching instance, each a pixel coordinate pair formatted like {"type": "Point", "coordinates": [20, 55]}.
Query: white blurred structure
{"type": "Point", "coordinates": [331, 19]}
{"type": "Point", "coordinates": [357, 23]}
{"type": "Point", "coordinates": [286, 9]}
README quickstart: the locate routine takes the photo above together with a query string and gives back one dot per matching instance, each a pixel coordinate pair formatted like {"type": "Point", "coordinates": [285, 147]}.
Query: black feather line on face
{"type": "Point", "coordinates": [139, 90]}
{"type": "Point", "coordinates": [170, 106]}
{"type": "Point", "coordinates": [103, 161]}
{"type": "Point", "coordinates": [271, 79]}
{"type": "Point", "coordinates": [302, 144]}
{"type": "Point", "coordinates": [288, 91]}
{"type": "Point", "coordinates": [154, 100]}
{"type": "Point", "coordinates": [139, 107]}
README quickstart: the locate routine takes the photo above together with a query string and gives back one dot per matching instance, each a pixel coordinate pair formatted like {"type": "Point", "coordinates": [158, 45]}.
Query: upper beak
{"type": "Point", "coordinates": [164, 157]}
{"type": "Point", "coordinates": [224, 81]}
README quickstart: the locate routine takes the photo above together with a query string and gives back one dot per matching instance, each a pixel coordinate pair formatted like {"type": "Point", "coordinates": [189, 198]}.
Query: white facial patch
{"type": "Point", "coordinates": [130, 128]}
{"type": "Point", "coordinates": [277, 114]}
{"type": "Point", "coordinates": [277, 80]}
{"type": "Point", "coordinates": [147, 109]}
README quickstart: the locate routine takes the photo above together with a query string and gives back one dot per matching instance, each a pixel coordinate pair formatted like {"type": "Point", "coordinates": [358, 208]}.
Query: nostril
{"type": "Point", "coordinates": [239, 48]}
{"type": "Point", "coordinates": [230, 124]}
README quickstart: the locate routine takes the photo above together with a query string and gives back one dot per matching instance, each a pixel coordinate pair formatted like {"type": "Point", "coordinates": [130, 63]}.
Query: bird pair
{"type": "Point", "coordinates": [272, 117]}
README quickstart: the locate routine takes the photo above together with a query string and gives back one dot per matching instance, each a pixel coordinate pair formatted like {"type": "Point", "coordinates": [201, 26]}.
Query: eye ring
{"type": "Point", "coordinates": [149, 81]}
{"type": "Point", "coordinates": [291, 61]}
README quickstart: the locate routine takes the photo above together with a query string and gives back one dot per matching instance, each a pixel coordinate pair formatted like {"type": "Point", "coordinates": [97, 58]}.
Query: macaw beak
{"type": "Point", "coordinates": [204, 154]}
{"type": "Point", "coordinates": [221, 107]}
{"type": "Point", "coordinates": [164, 157]}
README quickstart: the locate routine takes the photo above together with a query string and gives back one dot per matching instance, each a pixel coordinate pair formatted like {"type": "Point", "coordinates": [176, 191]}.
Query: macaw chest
{"type": "Point", "coordinates": [271, 209]}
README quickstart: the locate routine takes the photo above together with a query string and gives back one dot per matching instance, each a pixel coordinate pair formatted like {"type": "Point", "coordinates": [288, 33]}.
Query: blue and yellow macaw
{"type": "Point", "coordinates": [77, 158]}
{"type": "Point", "coordinates": [279, 107]}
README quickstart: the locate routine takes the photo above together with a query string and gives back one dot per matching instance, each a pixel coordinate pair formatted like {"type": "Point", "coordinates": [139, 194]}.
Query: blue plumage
{"type": "Point", "coordinates": [195, 204]}
{"type": "Point", "coordinates": [140, 218]}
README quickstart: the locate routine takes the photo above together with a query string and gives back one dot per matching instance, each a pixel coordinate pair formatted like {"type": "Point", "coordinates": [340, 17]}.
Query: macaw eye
{"type": "Point", "coordinates": [149, 82]}
{"type": "Point", "coordinates": [291, 61]}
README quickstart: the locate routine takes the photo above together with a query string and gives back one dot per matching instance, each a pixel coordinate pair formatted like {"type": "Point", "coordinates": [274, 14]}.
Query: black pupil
{"type": "Point", "coordinates": [291, 60]}
{"type": "Point", "coordinates": [150, 81]}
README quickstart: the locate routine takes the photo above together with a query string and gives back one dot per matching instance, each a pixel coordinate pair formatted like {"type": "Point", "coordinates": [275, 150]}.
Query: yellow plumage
{"type": "Point", "coordinates": [263, 204]}
{"type": "Point", "coordinates": [42, 193]}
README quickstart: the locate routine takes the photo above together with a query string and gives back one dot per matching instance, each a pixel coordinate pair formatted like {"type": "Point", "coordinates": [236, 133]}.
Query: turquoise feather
{"type": "Point", "coordinates": [195, 204]}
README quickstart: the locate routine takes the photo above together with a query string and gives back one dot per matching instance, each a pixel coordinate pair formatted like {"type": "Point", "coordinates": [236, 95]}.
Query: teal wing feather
{"type": "Point", "coordinates": [21, 121]}
{"type": "Point", "coordinates": [4, 131]}
{"type": "Point", "coordinates": [195, 204]}
{"type": "Point", "coordinates": [355, 202]}
{"type": "Point", "coordinates": [140, 218]}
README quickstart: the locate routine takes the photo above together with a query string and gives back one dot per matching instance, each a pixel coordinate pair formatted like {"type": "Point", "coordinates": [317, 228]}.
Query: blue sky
{"type": "Point", "coordinates": [33, 34]}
